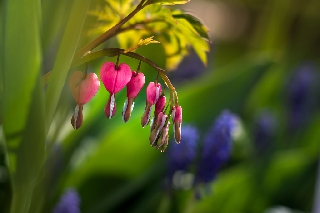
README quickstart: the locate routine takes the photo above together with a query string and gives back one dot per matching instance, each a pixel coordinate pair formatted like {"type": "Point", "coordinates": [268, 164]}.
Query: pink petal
{"type": "Point", "coordinates": [115, 80]}
{"type": "Point", "coordinates": [153, 92]}
{"type": "Point", "coordinates": [135, 84]}
{"type": "Point", "coordinates": [82, 89]}
{"type": "Point", "coordinates": [160, 104]}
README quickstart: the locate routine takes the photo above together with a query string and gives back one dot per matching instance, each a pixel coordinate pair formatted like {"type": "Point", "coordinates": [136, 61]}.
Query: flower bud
{"type": "Point", "coordinates": [164, 137]}
{"type": "Point", "coordinates": [159, 124]}
{"type": "Point", "coordinates": [77, 117]}
{"type": "Point", "coordinates": [133, 88]}
{"type": "Point", "coordinates": [177, 121]}
{"type": "Point", "coordinates": [153, 92]}
{"type": "Point", "coordinates": [160, 104]}
{"type": "Point", "coordinates": [83, 88]}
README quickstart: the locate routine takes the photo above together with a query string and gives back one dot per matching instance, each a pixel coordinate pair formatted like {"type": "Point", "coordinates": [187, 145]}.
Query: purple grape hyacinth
{"type": "Point", "coordinates": [180, 156]}
{"type": "Point", "coordinates": [299, 90]}
{"type": "Point", "coordinates": [264, 132]}
{"type": "Point", "coordinates": [69, 202]}
{"type": "Point", "coordinates": [216, 147]}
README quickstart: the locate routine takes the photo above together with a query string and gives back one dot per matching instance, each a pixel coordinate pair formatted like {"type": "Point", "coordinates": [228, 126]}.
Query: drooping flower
{"type": "Point", "coordinates": [180, 156]}
{"type": "Point", "coordinates": [153, 93]}
{"type": "Point", "coordinates": [216, 147]}
{"type": "Point", "coordinates": [114, 79]}
{"type": "Point", "coordinates": [69, 202]}
{"type": "Point", "coordinates": [177, 121]}
{"type": "Point", "coordinates": [133, 88]}
{"type": "Point", "coordinates": [160, 104]}
{"type": "Point", "coordinates": [83, 88]}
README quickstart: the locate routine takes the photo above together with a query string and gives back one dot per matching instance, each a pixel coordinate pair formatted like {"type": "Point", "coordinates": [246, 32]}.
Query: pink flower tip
{"type": "Point", "coordinates": [177, 121]}
{"type": "Point", "coordinates": [153, 92]}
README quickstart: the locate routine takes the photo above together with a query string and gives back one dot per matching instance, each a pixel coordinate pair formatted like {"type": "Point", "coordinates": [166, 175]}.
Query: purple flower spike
{"type": "Point", "coordinates": [216, 147]}
{"type": "Point", "coordinates": [69, 202]}
{"type": "Point", "coordinates": [180, 156]}
{"type": "Point", "coordinates": [299, 95]}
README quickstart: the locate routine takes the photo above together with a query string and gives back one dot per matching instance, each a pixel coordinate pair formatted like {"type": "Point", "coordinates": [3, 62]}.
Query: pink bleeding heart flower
{"type": "Point", "coordinates": [114, 80]}
{"type": "Point", "coordinates": [133, 88]}
{"type": "Point", "coordinates": [177, 120]}
{"type": "Point", "coordinates": [160, 104]}
{"type": "Point", "coordinates": [153, 93]}
{"type": "Point", "coordinates": [83, 88]}
{"type": "Point", "coordinates": [159, 124]}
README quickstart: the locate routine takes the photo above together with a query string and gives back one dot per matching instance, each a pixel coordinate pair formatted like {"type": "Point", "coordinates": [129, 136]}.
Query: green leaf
{"type": "Point", "coordinates": [193, 23]}
{"type": "Point", "coordinates": [169, 2]}
{"type": "Point", "coordinates": [64, 58]}
{"type": "Point", "coordinates": [23, 105]}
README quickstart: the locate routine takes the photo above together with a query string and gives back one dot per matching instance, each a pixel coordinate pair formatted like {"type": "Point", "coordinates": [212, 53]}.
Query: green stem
{"type": "Point", "coordinates": [110, 33]}
{"type": "Point", "coordinates": [111, 52]}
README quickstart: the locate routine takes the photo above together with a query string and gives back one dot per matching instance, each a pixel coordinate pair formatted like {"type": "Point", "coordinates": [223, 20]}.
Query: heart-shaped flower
{"type": "Point", "coordinates": [133, 88]}
{"type": "Point", "coordinates": [82, 87]}
{"type": "Point", "coordinates": [114, 79]}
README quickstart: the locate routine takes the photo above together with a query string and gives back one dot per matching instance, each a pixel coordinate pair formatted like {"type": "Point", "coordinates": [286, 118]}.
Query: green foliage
{"type": "Point", "coordinates": [176, 30]}
{"type": "Point", "coordinates": [110, 163]}
{"type": "Point", "coordinates": [169, 2]}
{"type": "Point", "coordinates": [23, 106]}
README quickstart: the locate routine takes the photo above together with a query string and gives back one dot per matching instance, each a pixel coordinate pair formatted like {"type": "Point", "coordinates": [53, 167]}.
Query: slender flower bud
{"type": "Point", "coordinates": [163, 140]}
{"type": "Point", "coordinates": [77, 117]}
{"type": "Point", "coordinates": [133, 88]}
{"type": "Point", "coordinates": [83, 88]}
{"type": "Point", "coordinates": [69, 202]}
{"type": "Point", "coordinates": [160, 104]}
{"type": "Point", "coordinates": [155, 133]}
{"type": "Point", "coordinates": [153, 93]}
{"type": "Point", "coordinates": [114, 80]}
{"type": "Point", "coordinates": [216, 148]}
{"type": "Point", "coordinates": [177, 121]}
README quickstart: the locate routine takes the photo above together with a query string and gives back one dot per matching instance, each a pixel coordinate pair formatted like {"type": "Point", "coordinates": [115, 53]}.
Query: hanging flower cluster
{"type": "Point", "coordinates": [114, 78]}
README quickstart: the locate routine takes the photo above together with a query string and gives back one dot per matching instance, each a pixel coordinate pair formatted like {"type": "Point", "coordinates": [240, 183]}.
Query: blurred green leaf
{"type": "Point", "coordinates": [65, 56]}
{"type": "Point", "coordinates": [23, 105]}
{"type": "Point", "coordinates": [169, 2]}
{"type": "Point", "coordinates": [193, 23]}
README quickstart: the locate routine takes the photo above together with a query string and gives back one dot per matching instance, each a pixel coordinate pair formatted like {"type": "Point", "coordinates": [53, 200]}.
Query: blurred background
{"type": "Point", "coordinates": [263, 67]}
